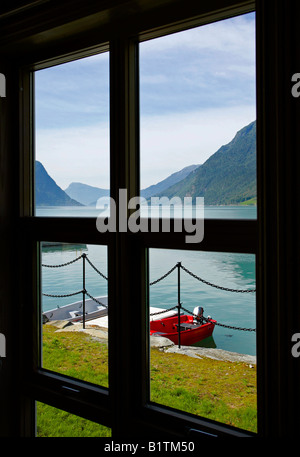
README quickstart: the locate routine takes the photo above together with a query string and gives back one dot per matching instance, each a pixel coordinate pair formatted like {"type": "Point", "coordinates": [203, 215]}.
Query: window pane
{"type": "Point", "coordinates": [75, 324]}
{"type": "Point", "coordinates": [211, 370]}
{"type": "Point", "coordinates": [198, 117]}
{"type": "Point", "coordinates": [72, 137]}
{"type": "Point", "coordinates": [53, 422]}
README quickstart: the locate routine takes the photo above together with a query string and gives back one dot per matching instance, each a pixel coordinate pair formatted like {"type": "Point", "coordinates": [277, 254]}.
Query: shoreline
{"type": "Point", "coordinates": [160, 343]}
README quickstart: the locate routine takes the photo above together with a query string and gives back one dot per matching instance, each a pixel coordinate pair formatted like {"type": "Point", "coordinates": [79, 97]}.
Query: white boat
{"type": "Point", "coordinates": [74, 311]}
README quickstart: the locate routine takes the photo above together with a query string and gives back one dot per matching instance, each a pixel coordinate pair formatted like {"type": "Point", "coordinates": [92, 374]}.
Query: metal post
{"type": "Point", "coordinates": [83, 289]}
{"type": "Point", "coordinates": [179, 304]}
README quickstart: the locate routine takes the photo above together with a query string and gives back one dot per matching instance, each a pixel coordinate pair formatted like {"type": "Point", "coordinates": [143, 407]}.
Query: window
{"type": "Point", "coordinates": [72, 137]}
{"type": "Point", "coordinates": [198, 117]}
{"type": "Point", "coordinates": [71, 133]}
{"type": "Point", "coordinates": [75, 311]}
{"type": "Point", "coordinates": [45, 41]}
{"type": "Point", "coordinates": [210, 370]}
{"type": "Point", "coordinates": [198, 139]}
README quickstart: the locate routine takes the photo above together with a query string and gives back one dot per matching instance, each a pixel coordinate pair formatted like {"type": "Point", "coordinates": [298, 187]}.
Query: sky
{"type": "Point", "coordinates": [197, 89]}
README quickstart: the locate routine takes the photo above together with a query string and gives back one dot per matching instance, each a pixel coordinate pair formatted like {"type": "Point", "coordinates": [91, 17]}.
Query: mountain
{"type": "Point", "coordinates": [85, 194]}
{"type": "Point", "coordinates": [47, 192]}
{"type": "Point", "coordinates": [227, 177]}
{"type": "Point", "coordinates": [168, 182]}
{"type": "Point", "coordinates": [88, 195]}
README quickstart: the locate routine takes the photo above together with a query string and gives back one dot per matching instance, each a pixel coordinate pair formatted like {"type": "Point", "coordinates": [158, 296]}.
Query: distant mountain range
{"type": "Point", "coordinates": [47, 192]}
{"type": "Point", "coordinates": [85, 194]}
{"type": "Point", "coordinates": [228, 177]}
{"type": "Point", "coordinates": [88, 195]}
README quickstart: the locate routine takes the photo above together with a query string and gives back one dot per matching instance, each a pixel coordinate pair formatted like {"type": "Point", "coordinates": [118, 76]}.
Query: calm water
{"type": "Point", "coordinates": [210, 212]}
{"type": "Point", "coordinates": [236, 271]}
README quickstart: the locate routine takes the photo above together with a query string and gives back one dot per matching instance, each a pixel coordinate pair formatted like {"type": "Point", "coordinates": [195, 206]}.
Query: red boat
{"type": "Point", "coordinates": [192, 329]}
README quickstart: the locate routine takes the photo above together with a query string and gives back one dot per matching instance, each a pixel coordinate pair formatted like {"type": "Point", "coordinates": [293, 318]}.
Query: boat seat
{"type": "Point", "coordinates": [186, 326]}
{"type": "Point", "coordinates": [76, 313]}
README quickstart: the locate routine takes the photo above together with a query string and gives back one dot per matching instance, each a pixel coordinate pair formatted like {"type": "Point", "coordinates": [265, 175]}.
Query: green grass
{"type": "Point", "coordinates": [75, 354]}
{"type": "Point", "coordinates": [217, 390]}
{"type": "Point", "coordinates": [53, 423]}
{"type": "Point", "coordinates": [251, 201]}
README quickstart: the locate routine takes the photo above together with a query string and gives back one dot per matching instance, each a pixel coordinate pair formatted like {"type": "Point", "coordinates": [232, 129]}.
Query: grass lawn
{"type": "Point", "coordinates": [218, 390]}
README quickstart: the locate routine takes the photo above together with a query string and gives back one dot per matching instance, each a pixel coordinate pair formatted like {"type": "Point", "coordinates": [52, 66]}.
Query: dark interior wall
{"type": "Point", "coordinates": [41, 28]}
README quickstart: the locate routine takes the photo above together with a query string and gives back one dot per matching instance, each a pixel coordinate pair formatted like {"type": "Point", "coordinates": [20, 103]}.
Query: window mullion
{"type": "Point", "coordinates": [126, 269]}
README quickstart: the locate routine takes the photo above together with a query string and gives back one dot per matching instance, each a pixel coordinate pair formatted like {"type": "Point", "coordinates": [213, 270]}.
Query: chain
{"type": "Point", "coordinates": [163, 311]}
{"type": "Point", "coordinates": [214, 285]}
{"type": "Point", "coordinates": [95, 299]}
{"type": "Point", "coordinates": [159, 279]}
{"type": "Point", "coordinates": [205, 319]}
{"type": "Point", "coordinates": [221, 325]}
{"type": "Point", "coordinates": [76, 293]}
{"type": "Point", "coordinates": [151, 284]}
{"type": "Point", "coordinates": [62, 296]}
{"type": "Point", "coordinates": [235, 328]}
{"type": "Point", "coordinates": [62, 264]}
{"type": "Point", "coordinates": [164, 276]}
{"type": "Point", "coordinates": [93, 266]}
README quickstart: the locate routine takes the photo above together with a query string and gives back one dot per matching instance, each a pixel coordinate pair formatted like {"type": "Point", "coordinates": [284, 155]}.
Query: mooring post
{"type": "Point", "coordinates": [83, 289]}
{"type": "Point", "coordinates": [179, 304]}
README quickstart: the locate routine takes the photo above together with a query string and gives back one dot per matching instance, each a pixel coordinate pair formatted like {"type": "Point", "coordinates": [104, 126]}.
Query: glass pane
{"type": "Point", "coordinates": [208, 368]}
{"type": "Point", "coordinates": [75, 311]}
{"type": "Point", "coordinates": [198, 118]}
{"type": "Point", "coordinates": [72, 137]}
{"type": "Point", "coordinates": [55, 423]}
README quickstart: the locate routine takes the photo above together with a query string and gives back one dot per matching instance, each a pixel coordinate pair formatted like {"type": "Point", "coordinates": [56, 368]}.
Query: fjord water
{"type": "Point", "coordinates": [228, 270]}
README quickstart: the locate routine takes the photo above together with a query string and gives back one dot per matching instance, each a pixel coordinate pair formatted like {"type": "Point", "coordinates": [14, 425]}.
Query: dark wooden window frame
{"type": "Point", "coordinates": [125, 406]}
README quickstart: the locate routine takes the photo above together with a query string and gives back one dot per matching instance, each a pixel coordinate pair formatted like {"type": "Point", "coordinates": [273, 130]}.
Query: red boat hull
{"type": "Point", "coordinates": [190, 333]}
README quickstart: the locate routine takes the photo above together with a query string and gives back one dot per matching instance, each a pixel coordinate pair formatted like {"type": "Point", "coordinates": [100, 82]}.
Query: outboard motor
{"type": "Point", "coordinates": [198, 312]}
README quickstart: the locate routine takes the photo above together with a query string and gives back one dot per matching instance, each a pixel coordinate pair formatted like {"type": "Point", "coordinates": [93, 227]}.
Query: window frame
{"type": "Point", "coordinates": [267, 236]}
{"type": "Point", "coordinates": [113, 406]}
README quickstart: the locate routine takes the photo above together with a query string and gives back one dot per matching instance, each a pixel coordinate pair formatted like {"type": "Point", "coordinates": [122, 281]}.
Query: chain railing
{"type": "Point", "coordinates": [243, 291]}
{"type": "Point", "coordinates": [64, 264]}
{"type": "Point", "coordinates": [83, 291]}
{"type": "Point", "coordinates": [178, 266]}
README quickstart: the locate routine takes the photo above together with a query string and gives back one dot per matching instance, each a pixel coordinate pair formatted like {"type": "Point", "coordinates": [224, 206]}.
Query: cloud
{"type": "Point", "coordinates": [197, 89]}
{"type": "Point", "coordinates": [209, 66]}
{"type": "Point", "coordinates": [172, 142]}
{"type": "Point", "coordinates": [75, 154]}
{"type": "Point", "coordinates": [230, 36]}
{"type": "Point", "coordinates": [168, 144]}
{"type": "Point", "coordinates": [73, 94]}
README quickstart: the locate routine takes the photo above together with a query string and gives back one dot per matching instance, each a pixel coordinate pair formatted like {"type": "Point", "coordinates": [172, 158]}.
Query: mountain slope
{"type": "Point", "coordinates": [168, 182]}
{"type": "Point", "coordinates": [88, 195]}
{"type": "Point", "coordinates": [227, 177]}
{"type": "Point", "coordinates": [85, 194]}
{"type": "Point", "coordinates": [47, 192]}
